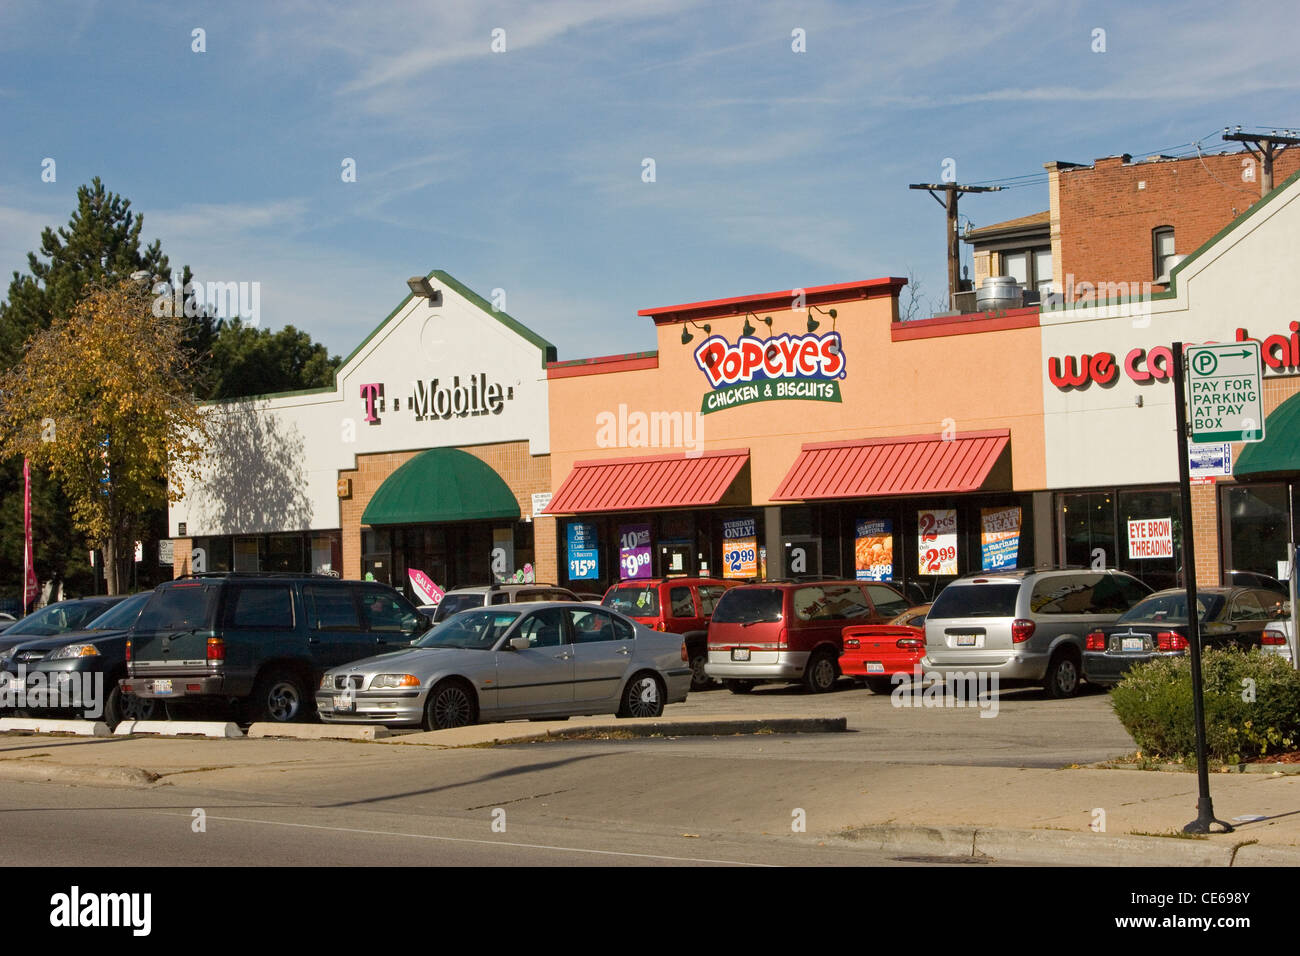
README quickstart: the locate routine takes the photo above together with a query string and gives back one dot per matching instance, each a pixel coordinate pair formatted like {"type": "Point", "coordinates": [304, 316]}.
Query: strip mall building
{"type": "Point", "coordinates": [799, 432]}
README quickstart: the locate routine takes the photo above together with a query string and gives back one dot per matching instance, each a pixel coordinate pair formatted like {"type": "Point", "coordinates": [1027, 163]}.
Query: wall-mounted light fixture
{"type": "Point", "coordinates": [686, 334]}
{"type": "Point", "coordinates": [813, 323]}
{"type": "Point", "coordinates": [749, 329]}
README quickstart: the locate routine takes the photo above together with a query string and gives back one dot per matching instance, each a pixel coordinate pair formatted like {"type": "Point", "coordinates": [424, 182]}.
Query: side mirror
{"type": "Point", "coordinates": [520, 643]}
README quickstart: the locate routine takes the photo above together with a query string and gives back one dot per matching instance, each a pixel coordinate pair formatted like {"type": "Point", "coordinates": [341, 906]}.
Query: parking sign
{"type": "Point", "coordinates": [1225, 397]}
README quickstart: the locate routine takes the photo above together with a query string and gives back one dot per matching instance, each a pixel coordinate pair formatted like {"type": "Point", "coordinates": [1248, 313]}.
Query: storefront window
{"type": "Point", "coordinates": [1088, 529]}
{"type": "Point", "coordinates": [1257, 519]}
{"type": "Point", "coordinates": [1151, 508]}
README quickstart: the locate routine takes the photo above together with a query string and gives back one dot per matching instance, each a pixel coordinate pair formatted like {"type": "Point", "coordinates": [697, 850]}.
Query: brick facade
{"type": "Point", "coordinates": [1103, 216]}
{"type": "Point", "coordinates": [523, 472]}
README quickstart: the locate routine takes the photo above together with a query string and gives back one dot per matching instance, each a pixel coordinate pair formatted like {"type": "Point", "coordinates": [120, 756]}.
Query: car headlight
{"type": "Point", "coordinates": [74, 650]}
{"type": "Point", "coordinates": [394, 680]}
{"type": "Point", "coordinates": [327, 681]}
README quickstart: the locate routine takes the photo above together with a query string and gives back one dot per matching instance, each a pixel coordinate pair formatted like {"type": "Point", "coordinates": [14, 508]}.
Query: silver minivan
{"type": "Point", "coordinates": [1025, 625]}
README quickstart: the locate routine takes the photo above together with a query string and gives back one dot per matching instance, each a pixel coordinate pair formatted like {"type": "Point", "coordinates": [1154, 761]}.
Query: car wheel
{"type": "Point", "coordinates": [1062, 679]}
{"type": "Point", "coordinates": [450, 704]}
{"type": "Point", "coordinates": [699, 679]}
{"type": "Point", "coordinates": [643, 697]}
{"type": "Point", "coordinates": [279, 697]}
{"type": "Point", "coordinates": [880, 685]}
{"type": "Point", "coordinates": [821, 673]}
{"type": "Point", "coordinates": [739, 686]}
{"type": "Point", "coordinates": [119, 707]}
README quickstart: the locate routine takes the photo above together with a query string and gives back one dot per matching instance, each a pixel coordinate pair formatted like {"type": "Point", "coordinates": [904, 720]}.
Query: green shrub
{"type": "Point", "coordinates": [1154, 703]}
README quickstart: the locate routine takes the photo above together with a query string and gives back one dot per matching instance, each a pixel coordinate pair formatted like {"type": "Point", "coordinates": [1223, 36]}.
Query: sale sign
{"type": "Point", "coordinates": [936, 540]}
{"type": "Point", "coordinates": [423, 587]}
{"type": "Point", "coordinates": [874, 550]}
{"type": "Point", "coordinates": [999, 537]}
{"type": "Point", "coordinates": [584, 552]}
{"type": "Point", "coordinates": [739, 549]}
{"type": "Point", "coordinates": [1151, 538]}
{"type": "Point", "coordinates": [634, 551]}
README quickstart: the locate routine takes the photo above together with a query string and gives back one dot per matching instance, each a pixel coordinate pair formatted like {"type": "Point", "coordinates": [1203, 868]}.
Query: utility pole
{"type": "Point", "coordinates": [1269, 147]}
{"type": "Point", "coordinates": [953, 190]}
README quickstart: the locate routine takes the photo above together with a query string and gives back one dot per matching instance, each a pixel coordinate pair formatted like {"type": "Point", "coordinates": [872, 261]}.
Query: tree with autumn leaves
{"type": "Point", "coordinates": [102, 401]}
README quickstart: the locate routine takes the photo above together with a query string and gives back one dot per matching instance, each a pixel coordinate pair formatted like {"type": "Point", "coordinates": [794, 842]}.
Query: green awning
{"type": "Point", "coordinates": [441, 484]}
{"type": "Point", "coordinates": [1279, 452]}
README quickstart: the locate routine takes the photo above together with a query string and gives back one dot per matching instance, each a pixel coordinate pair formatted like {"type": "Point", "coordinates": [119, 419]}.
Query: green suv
{"type": "Point", "coordinates": [259, 641]}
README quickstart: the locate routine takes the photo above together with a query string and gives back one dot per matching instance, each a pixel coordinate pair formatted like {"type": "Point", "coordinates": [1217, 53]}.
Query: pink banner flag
{"type": "Point", "coordinates": [30, 588]}
{"type": "Point", "coordinates": [425, 589]}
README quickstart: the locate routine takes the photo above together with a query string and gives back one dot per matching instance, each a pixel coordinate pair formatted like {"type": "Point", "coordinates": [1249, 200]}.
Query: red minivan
{"type": "Point", "coordinates": [678, 605]}
{"type": "Point", "coordinates": [782, 631]}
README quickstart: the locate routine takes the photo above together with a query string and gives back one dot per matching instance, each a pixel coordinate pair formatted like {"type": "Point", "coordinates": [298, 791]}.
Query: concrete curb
{"type": "Point", "coordinates": [1065, 847]}
{"type": "Point", "coordinates": [320, 731]}
{"type": "Point", "coordinates": [178, 728]}
{"type": "Point", "coordinates": [81, 728]}
{"type": "Point", "coordinates": [487, 735]}
{"type": "Point", "coordinates": [1275, 769]}
{"type": "Point", "coordinates": [26, 768]}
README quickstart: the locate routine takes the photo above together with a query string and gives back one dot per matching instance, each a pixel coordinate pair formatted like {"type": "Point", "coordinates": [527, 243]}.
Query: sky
{"type": "Point", "coordinates": [592, 158]}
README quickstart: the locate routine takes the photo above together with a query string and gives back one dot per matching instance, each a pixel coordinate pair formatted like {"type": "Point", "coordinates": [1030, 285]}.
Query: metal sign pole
{"type": "Point", "coordinates": [1204, 805]}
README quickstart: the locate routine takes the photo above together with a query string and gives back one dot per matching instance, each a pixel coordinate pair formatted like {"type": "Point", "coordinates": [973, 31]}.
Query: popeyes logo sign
{"type": "Point", "coordinates": [1280, 353]}
{"type": "Point", "coordinates": [781, 367]}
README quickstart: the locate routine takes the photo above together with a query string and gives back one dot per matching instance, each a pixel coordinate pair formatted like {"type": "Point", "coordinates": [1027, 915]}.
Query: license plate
{"type": "Point", "coordinates": [740, 653]}
{"type": "Point", "coordinates": [1134, 644]}
{"type": "Point", "coordinates": [345, 704]}
{"type": "Point", "coordinates": [875, 667]}
{"type": "Point", "coordinates": [966, 640]}
{"type": "Point", "coordinates": [162, 687]}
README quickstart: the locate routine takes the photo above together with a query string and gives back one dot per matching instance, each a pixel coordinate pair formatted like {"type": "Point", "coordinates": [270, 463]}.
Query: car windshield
{"type": "Point", "coordinates": [57, 619]}
{"type": "Point", "coordinates": [120, 616]}
{"type": "Point", "coordinates": [454, 603]}
{"type": "Point", "coordinates": [1172, 609]}
{"type": "Point", "coordinates": [749, 606]}
{"type": "Point", "coordinates": [633, 601]}
{"type": "Point", "coordinates": [470, 630]}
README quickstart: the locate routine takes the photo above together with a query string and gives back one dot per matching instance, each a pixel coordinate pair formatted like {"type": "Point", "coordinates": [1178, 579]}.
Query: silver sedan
{"type": "Point", "coordinates": [537, 660]}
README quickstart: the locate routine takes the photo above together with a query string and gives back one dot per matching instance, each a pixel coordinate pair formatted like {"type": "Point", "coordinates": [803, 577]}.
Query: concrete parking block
{"type": "Point", "coordinates": [81, 728]}
{"type": "Point", "coordinates": [320, 731]}
{"type": "Point", "coordinates": [179, 728]}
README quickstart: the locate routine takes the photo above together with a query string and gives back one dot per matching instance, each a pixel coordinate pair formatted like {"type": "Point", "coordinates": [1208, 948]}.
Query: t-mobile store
{"type": "Point", "coordinates": [802, 433]}
{"type": "Point", "coordinates": [425, 458]}
{"type": "Point", "coordinates": [1111, 457]}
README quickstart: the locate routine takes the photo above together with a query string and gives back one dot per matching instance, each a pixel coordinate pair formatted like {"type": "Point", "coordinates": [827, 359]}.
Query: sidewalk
{"type": "Point", "coordinates": [1077, 816]}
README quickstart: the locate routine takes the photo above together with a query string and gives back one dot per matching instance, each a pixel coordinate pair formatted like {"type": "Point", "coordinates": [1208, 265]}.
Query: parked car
{"type": "Point", "coordinates": [260, 641]}
{"type": "Point", "coordinates": [1158, 627]}
{"type": "Point", "coordinates": [791, 631]}
{"type": "Point", "coordinates": [58, 618]}
{"type": "Point", "coordinates": [874, 653]}
{"type": "Point", "coordinates": [1025, 625]}
{"type": "Point", "coordinates": [678, 605]}
{"type": "Point", "coordinates": [535, 660]}
{"type": "Point", "coordinates": [99, 650]}
{"type": "Point", "coordinates": [1253, 579]}
{"type": "Point", "coordinates": [489, 594]}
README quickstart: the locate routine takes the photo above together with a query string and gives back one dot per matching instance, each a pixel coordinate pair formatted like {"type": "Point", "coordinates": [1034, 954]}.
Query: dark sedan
{"type": "Point", "coordinates": [1157, 627]}
{"type": "Point", "coordinates": [92, 658]}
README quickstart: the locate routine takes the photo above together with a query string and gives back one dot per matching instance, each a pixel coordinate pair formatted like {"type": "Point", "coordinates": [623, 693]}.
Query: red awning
{"type": "Point", "coordinates": [637, 484]}
{"type": "Point", "coordinates": [914, 465]}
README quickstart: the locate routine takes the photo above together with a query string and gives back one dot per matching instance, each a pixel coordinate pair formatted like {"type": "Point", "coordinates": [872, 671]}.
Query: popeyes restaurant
{"type": "Point", "coordinates": [425, 461]}
{"type": "Point", "coordinates": [1110, 452]}
{"type": "Point", "coordinates": [801, 433]}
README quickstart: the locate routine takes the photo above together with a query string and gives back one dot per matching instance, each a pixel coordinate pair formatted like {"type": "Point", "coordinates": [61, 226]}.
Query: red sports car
{"type": "Point", "coordinates": [876, 652]}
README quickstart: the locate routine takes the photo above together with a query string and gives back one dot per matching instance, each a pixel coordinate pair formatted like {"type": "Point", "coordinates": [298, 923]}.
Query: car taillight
{"type": "Point", "coordinates": [1273, 638]}
{"type": "Point", "coordinates": [660, 626]}
{"type": "Point", "coordinates": [1022, 630]}
{"type": "Point", "coordinates": [686, 657]}
{"type": "Point", "coordinates": [1170, 641]}
{"type": "Point", "coordinates": [1096, 641]}
{"type": "Point", "coordinates": [782, 637]}
{"type": "Point", "coordinates": [128, 650]}
{"type": "Point", "coordinates": [909, 643]}
{"type": "Point", "coordinates": [216, 649]}
{"type": "Point", "coordinates": [852, 642]}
